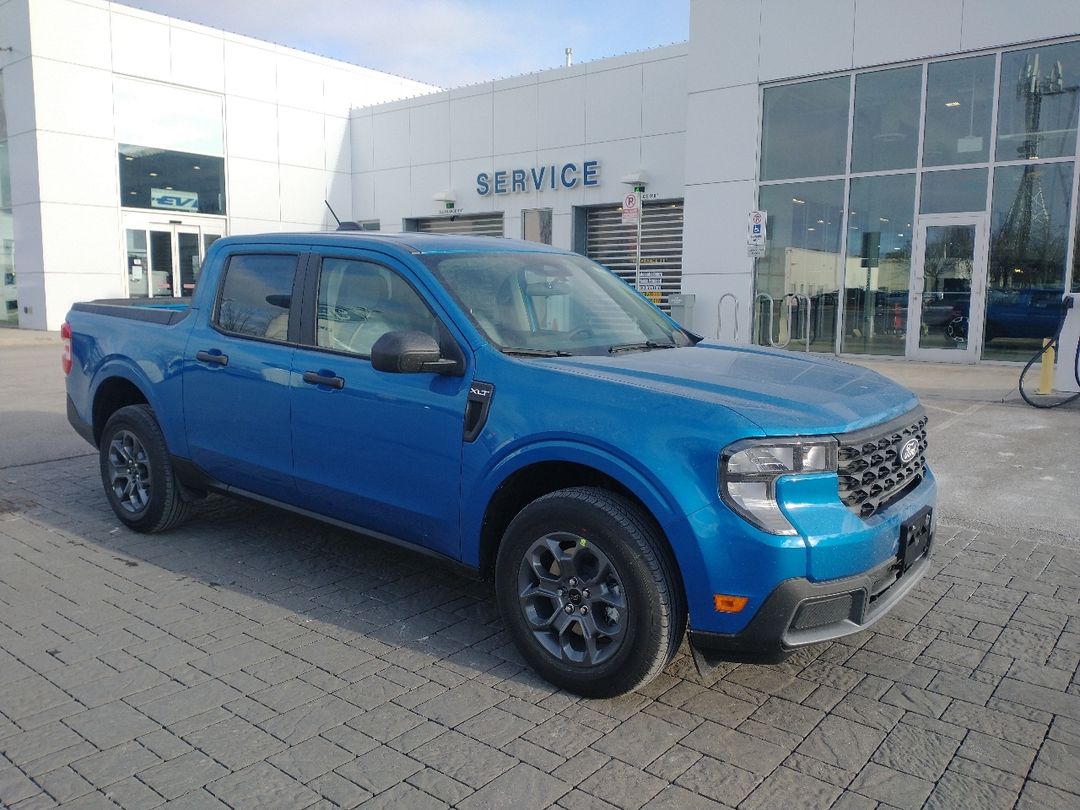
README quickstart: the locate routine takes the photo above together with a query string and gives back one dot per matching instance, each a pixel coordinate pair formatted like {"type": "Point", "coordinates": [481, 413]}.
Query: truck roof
{"type": "Point", "coordinates": [412, 242]}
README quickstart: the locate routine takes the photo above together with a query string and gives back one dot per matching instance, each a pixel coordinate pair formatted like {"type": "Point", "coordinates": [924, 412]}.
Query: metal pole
{"type": "Point", "coordinates": [637, 244]}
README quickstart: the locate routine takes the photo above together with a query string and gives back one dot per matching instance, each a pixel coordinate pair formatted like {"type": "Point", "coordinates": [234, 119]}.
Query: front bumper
{"type": "Point", "coordinates": [799, 612]}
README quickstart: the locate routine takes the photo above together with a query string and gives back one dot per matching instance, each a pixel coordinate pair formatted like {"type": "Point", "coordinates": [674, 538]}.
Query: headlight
{"type": "Point", "coordinates": [749, 470]}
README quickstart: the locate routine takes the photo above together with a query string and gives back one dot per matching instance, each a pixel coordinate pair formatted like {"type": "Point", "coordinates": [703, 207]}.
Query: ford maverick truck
{"type": "Point", "coordinates": [524, 413]}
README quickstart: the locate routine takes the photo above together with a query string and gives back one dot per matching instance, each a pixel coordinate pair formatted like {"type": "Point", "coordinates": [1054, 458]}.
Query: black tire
{"type": "Point", "coordinates": [136, 472]}
{"type": "Point", "coordinates": [630, 644]}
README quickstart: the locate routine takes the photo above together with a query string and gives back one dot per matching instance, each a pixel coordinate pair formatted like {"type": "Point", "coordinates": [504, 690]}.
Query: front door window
{"type": "Point", "coordinates": [163, 259]}
{"type": "Point", "coordinates": [950, 281]}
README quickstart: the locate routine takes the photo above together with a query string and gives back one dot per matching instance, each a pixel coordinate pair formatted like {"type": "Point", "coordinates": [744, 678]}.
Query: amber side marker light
{"type": "Point", "coordinates": [729, 604]}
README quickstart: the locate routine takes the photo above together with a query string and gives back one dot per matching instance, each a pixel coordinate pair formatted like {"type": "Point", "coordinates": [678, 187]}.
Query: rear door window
{"type": "Point", "coordinates": [256, 296]}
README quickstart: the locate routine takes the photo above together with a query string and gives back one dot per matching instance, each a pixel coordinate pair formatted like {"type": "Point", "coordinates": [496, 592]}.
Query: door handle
{"type": "Point", "coordinates": [213, 356]}
{"type": "Point", "coordinates": [315, 378]}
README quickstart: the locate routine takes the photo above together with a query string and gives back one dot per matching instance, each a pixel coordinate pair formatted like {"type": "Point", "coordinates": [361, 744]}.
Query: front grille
{"type": "Point", "coordinates": [871, 471]}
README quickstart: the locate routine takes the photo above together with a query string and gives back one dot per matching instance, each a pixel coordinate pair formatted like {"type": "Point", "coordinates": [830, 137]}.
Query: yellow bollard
{"type": "Point", "coordinates": [1046, 371]}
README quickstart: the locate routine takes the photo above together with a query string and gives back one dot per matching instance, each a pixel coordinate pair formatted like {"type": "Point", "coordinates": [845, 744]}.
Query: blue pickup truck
{"type": "Point", "coordinates": [520, 412]}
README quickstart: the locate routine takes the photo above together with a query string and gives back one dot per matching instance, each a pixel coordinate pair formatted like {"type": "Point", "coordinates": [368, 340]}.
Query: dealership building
{"type": "Point", "coordinates": [859, 177]}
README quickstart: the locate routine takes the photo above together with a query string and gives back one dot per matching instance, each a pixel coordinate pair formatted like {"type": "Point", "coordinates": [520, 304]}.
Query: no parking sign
{"type": "Point", "coordinates": [755, 234]}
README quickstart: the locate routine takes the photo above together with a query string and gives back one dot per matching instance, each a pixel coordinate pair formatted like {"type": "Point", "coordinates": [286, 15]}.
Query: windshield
{"type": "Point", "coordinates": [552, 304]}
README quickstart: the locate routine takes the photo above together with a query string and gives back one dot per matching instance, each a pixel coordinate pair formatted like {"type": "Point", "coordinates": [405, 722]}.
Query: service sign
{"type": "Point", "coordinates": [171, 198]}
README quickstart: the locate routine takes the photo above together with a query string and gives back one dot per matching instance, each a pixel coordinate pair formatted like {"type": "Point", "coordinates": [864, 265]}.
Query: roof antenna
{"type": "Point", "coordinates": [343, 226]}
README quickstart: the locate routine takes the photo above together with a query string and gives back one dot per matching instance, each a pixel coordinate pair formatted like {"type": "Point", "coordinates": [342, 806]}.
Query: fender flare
{"type": "Point", "coordinates": [657, 498]}
{"type": "Point", "coordinates": [118, 366]}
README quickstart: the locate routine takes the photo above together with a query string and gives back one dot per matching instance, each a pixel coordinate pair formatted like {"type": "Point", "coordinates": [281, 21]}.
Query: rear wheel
{"type": "Point", "coordinates": [587, 590]}
{"type": "Point", "coordinates": [136, 473]}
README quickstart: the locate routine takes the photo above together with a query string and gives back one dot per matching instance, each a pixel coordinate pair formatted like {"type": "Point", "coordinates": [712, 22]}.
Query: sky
{"type": "Point", "coordinates": [446, 42]}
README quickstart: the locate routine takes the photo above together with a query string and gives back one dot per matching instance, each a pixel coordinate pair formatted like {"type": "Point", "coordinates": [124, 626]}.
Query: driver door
{"type": "Point", "coordinates": [378, 450]}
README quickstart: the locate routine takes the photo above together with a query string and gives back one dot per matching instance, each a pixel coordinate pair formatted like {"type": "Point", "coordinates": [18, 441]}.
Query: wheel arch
{"type": "Point", "coordinates": [116, 387]}
{"type": "Point", "coordinates": [531, 478]}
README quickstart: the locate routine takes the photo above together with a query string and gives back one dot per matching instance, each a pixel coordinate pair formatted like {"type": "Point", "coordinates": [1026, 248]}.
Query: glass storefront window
{"type": "Point", "coordinates": [878, 267]}
{"type": "Point", "coordinates": [1038, 107]}
{"type": "Point", "coordinates": [174, 181]}
{"type": "Point", "coordinates": [1028, 243]}
{"type": "Point", "coordinates": [9, 304]}
{"type": "Point", "coordinates": [168, 117]}
{"type": "Point", "coordinates": [959, 106]}
{"type": "Point", "coordinates": [953, 191]}
{"type": "Point", "coordinates": [804, 129]}
{"type": "Point", "coordinates": [804, 226]}
{"type": "Point", "coordinates": [886, 129]}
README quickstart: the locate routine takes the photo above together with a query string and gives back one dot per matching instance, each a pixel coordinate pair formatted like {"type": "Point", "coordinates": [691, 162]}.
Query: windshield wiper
{"type": "Point", "coordinates": [523, 352]}
{"type": "Point", "coordinates": [637, 347]}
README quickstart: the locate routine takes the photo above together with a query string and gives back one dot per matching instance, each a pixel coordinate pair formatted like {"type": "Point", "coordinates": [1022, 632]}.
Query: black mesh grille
{"type": "Point", "coordinates": [824, 612]}
{"type": "Point", "coordinates": [871, 470]}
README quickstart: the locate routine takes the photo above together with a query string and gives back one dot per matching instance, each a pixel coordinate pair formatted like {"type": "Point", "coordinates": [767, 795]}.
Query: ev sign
{"type": "Point", "coordinates": [169, 198]}
{"type": "Point", "coordinates": [631, 208]}
{"type": "Point", "coordinates": [755, 234]}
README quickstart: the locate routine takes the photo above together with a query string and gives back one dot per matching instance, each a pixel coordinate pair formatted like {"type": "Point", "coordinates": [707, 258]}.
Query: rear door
{"type": "Point", "coordinates": [378, 450]}
{"type": "Point", "coordinates": [236, 372]}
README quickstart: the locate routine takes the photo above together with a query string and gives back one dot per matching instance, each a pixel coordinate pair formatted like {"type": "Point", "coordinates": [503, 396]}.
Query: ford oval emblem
{"type": "Point", "coordinates": [909, 450]}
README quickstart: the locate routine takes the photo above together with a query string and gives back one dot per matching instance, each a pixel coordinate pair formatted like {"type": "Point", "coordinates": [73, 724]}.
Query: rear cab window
{"type": "Point", "coordinates": [256, 296]}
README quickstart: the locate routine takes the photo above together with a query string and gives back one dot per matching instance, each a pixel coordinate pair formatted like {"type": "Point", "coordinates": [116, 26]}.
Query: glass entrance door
{"type": "Point", "coordinates": [164, 258]}
{"type": "Point", "coordinates": [948, 290]}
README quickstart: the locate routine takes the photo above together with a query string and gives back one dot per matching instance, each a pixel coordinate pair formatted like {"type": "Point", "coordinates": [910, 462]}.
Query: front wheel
{"type": "Point", "coordinates": [136, 473]}
{"type": "Point", "coordinates": [587, 590]}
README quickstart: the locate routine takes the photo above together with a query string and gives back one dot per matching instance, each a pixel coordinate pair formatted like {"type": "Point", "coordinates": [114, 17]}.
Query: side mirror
{"type": "Point", "coordinates": [410, 353]}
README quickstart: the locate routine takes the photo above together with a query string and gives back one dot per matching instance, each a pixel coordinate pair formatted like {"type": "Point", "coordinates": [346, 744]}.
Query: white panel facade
{"type": "Point", "coordinates": [80, 98]}
{"type": "Point", "coordinates": [83, 39]}
{"type": "Point", "coordinates": [286, 128]}
{"type": "Point", "coordinates": [140, 44]}
{"type": "Point", "coordinates": [561, 112]}
{"type": "Point", "coordinates": [197, 58]}
{"type": "Point", "coordinates": [887, 31]}
{"type": "Point", "coordinates": [799, 39]}
{"type": "Point", "coordinates": [1002, 22]}
{"type": "Point", "coordinates": [559, 118]}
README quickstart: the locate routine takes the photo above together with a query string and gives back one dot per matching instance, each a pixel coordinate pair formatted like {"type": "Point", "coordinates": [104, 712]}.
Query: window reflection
{"type": "Point", "coordinates": [959, 103]}
{"type": "Point", "coordinates": [175, 181]}
{"type": "Point", "coordinates": [804, 129]}
{"type": "Point", "coordinates": [804, 226]}
{"type": "Point", "coordinates": [886, 130]}
{"type": "Point", "coordinates": [1038, 106]}
{"type": "Point", "coordinates": [9, 304]}
{"type": "Point", "coordinates": [1028, 243]}
{"type": "Point", "coordinates": [168, 117]}
{"type": "Point", "coordinates": [878, 267]}
{"type": "Point", "coordinates": [953, 191]}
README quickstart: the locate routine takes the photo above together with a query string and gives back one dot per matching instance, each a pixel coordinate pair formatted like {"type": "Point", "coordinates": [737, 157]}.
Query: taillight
{"type": "Point", "coordinates": [65, 358]}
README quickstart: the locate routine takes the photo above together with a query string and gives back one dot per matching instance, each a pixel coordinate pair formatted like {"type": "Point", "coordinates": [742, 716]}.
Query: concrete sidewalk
{"type": "Point", "coordinates": [19, 338]}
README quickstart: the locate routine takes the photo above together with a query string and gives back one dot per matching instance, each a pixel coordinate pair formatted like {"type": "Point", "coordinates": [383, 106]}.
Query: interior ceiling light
{"type": "Point", "coordinates": [952, 103]}
{"type": "Point", "coordinates": [810, 229]}
{"type": "Point", "coordinates": [797, 201]}
{"type": "Point", "coordinates": [821, 222]}
{"type": "Point", "coordinates": [196, 168]}
{"type": "Point", "coordinates": [128, 157]}
{"type": "Point", "coordinates": [153, 174]}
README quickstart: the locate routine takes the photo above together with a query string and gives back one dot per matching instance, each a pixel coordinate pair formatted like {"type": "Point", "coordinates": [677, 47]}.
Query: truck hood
{"type": "Point", "coordinates": [783, 393]}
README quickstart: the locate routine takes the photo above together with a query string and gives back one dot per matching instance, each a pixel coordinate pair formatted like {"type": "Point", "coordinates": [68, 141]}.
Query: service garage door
{"type": "Point", "coordinates": [611, 243]}
{"type": "Point", "coordinates": [474, 224]}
